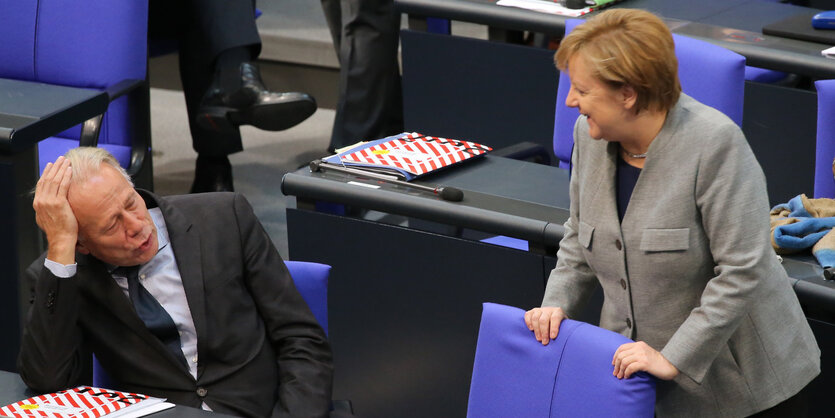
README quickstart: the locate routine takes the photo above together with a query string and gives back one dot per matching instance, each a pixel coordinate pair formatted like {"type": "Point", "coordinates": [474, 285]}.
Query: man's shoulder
{"type": "Point", "coordinates": [200, 201]}
{"type": "Point", "coordinates": [200, 197]}
{"type": "Point", "coordinates": [203, 206]}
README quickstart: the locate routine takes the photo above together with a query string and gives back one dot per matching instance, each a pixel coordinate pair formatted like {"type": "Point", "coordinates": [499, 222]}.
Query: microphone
{"type": "Point", "coordinates": [450, 193]}
{"type": "Point", "coordinates": [446, 193]}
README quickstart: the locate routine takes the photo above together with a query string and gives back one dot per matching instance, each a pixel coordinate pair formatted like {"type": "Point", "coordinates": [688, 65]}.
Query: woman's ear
{"type": "Point", "coordinates": [628, 97]}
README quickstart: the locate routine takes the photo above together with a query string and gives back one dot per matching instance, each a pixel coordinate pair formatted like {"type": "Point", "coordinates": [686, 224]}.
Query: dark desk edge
{"type": "Point", "coordinates": [765, 51]}
{"type": "Point", "coordinates": [401, 201]}
{"type": "Point", "coordinates": [54, 123]}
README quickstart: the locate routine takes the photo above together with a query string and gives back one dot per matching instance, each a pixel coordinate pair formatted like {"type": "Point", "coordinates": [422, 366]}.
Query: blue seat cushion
{"type": "Point", "coordinates": [762, 75]}
{"type": "Point", "coordinates": [508, 242]}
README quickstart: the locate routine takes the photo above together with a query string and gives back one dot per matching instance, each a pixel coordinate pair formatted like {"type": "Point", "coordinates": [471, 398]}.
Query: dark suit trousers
{"type": "Point", "coordinates": [365, 34]}
{"type": "Point", "coordinates": [203, 29]}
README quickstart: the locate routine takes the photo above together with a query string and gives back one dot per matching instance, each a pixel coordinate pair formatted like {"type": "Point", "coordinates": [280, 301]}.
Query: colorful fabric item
{"type": "Point", "coordinates": [805, 223]}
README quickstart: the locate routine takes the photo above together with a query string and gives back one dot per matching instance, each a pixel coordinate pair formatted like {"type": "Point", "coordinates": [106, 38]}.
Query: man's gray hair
{"type": "Point", "coordinates": [86, 162]}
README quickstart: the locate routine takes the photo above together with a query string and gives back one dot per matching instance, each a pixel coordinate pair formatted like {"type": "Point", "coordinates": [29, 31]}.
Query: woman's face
{"type": "Point", "coordinates": [606, 109]}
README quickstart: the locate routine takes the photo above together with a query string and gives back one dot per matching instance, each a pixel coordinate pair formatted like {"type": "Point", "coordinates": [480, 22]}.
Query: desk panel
{"type": "Point", "coordinates": [405, 306]}
{"type": "Point", "coordinates": [491, 93]}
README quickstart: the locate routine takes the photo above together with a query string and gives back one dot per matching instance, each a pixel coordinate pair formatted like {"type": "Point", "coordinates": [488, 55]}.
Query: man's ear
{"type": "Point", "coordinates": [81, 248]}
{"type": "Point", "coordinates": [628, 97]}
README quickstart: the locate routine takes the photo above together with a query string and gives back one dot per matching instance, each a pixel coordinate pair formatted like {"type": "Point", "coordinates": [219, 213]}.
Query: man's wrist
{"type": "Point", "coordinates": [62, 253]}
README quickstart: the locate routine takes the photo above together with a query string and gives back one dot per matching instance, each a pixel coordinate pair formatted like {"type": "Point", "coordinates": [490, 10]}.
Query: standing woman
{"type": "Point", "coordinates": [669, 213]}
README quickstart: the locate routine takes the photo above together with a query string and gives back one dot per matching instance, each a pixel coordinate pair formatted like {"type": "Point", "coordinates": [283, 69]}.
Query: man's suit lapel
{"type": "Point", "coordinates": [185, 241]}
{"type": "Point", "coordinates": [99, 284]}
{"type": "Point", "coordinates": [94, 279]}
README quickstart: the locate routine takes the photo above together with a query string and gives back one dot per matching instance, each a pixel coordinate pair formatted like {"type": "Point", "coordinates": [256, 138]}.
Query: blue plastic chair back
{"type": "Point", "coordinates": [90, 44]}
{"type": "Point", "coordinates": [825, 147]}
{"type": "Point", "coordinates": [516, 376]}
{"type": "Point", "coordinates": [709, 73]}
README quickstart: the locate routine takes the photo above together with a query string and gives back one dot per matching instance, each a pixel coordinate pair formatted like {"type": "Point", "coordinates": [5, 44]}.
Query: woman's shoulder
{"type": "Point", "coordinates": [695, 112]}
{"type": "Point", "coordinates": [705, 125]}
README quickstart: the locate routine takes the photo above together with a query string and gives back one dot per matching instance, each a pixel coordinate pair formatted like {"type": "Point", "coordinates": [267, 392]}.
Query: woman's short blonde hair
{"type": "Point", "coordinates": [627, 47]}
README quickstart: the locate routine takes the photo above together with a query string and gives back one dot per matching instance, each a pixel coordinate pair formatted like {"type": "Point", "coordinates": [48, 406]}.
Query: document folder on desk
{"type": "Point", "coordinates": [85, 402]}
{"type": "Point", "coordinates": [408, 155]}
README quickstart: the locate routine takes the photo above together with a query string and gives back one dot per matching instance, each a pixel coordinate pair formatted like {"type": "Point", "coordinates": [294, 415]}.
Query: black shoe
{"type": "Point", "coordinates": [212, 174]}
{"type": "Point", "coordinates": [252, 104]}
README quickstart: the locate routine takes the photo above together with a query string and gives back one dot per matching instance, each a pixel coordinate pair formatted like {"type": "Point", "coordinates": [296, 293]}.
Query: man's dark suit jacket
{"type": "Point", "coordinates": [261, 351]}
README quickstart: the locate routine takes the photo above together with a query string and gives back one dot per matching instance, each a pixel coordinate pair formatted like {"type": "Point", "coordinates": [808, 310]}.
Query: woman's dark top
{"type": "Point", "coordinates": [627, 176]}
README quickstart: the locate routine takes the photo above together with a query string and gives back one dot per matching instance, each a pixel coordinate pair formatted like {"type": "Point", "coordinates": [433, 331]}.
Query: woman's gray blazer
{"type": "Point", "coordinates": [690, 271]}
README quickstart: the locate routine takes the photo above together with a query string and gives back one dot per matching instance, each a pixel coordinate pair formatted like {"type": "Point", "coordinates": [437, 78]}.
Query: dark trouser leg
{"type": "Point", "coordinates": [214, 26]}
{"type": "Point", "coordinates": [795, 407]}
{"type": "Point", "coordinates": [370, 103]}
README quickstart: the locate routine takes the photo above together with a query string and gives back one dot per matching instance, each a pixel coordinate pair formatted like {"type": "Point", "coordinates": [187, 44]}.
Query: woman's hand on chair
{"type": "Point", "coordinates": [634, 357]}
{"type": "Point", "coordinates": [544, 322]}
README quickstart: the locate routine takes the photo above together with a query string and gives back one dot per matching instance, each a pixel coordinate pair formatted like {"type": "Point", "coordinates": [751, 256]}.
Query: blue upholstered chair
{"type": "Point", "coordinates": [764, 75]}
{"type": "Point", "coordinates": [97, 44]}
{"type": "Point", "coordinates": [516, 376]}
{"type": "Point", "coordinates": [311, 279]}
{"type": "Point", "coordinates": [709, 73]}
{"type": "Point", "coordinates": [825, 148]}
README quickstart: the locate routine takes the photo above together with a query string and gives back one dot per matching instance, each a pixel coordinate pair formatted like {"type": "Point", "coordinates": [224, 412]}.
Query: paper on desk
{"type": "Point", "coordinates": [546, 6]}
{"type": "Point", "coordinates": [349, 147]}
{"type": "Point", "coordinates": [162, 406]}
{"type": "Point", "coordinates": [829, 53]}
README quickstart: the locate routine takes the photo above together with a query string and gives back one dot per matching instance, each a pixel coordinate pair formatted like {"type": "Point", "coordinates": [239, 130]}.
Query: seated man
{"type": "Point", "coordinates": [205, 314]}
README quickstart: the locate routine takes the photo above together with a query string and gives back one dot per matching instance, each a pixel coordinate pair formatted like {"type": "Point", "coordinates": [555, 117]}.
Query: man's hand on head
{"type": "Point", "coordinates": [53, 212]}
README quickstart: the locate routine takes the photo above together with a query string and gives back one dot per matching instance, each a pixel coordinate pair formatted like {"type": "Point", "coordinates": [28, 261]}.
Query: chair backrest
{"type": "Point", "coordinates": [709, 73]}
{"type": "Point", "coordinates": [516, 376]}
{"type": "Point", "coordinates": [91, 44]}
{"type": "Point", "coordinates": [311, 279]}
{"type": "Point", "coordinates": [825, 147]}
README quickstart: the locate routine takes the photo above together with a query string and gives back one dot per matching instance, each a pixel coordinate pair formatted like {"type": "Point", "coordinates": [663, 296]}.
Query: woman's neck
{"type": "Point", "coordinates": [641, 130]}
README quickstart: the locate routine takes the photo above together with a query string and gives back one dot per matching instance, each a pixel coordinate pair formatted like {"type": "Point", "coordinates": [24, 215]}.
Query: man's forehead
{"type": "Point", "coordinates": [99, 191]}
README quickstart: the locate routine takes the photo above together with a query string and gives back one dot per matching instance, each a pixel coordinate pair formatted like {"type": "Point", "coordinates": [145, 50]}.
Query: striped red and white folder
{"type": "Point", "coordinates": [409, 155]}
{"type": "Point", "coordinates": [85, 402]}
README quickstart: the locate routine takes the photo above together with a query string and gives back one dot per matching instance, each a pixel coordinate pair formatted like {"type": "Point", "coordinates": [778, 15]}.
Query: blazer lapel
{"type": "Point", "coordinates": [649, 175]}
{"type": "Point", "coordinates": [602, 205]}
{"type": "Point", "coordinates": [185, 241]}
